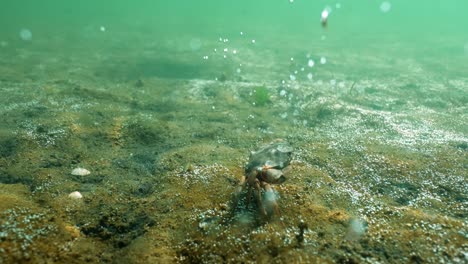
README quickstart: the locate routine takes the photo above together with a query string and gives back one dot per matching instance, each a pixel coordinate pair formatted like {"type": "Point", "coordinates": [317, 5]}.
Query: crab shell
{"type": "Point", "coordinates": [276, 155]}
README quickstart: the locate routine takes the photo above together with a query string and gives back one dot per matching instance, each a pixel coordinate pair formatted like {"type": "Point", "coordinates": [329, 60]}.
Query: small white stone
{"type": "Point", "coordinates": [80, 172]}
{"type": "Point", "coordinates": [75, 195]}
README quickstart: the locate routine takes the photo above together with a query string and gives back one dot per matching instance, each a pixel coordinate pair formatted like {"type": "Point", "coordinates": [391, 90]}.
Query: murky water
{"type": "Point", "coordinates": [159, 104]}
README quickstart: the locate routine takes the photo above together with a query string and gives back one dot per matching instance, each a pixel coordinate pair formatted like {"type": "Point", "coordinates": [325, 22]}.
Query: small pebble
{"type": "Point", "coordinates": [80, 172]}
{"type": "Point", "coordinates": [75, 195]}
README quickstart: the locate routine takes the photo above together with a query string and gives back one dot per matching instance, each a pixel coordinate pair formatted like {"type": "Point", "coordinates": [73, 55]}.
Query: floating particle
{"type": "Point", "coordinates": [385, 6]}
{"type": "Point", "coordinates": [102, 28]}
{"type": "Point", "coordinates": [291, 1]}
{"type": "Point", "coordinates": [323, 60]}
{"type": "Point", "coordinates": [282, 93]}
{"type": "Point", "coordinates": [324, 16]}
{"type": "Point", "coordinates": [75, 195]}
{"type": "Point", "coordinates": [238, 70]}
{"type": "Point", "coordinates": [311, 63]}
{"type": "Point", "coordinates": [292, 77]}
{"type": "Point", "coordinates": [226, 50]}
{"type": "Point", "coordinates": [80, 172]}
{"type": "Point", "coordinates": [205, 57]}
{"type": "Point", "coordinates": [310, 76]}
{"type": "Point", "coordinates": [25, 34]}
{"type": "Point", "coordinates": [338, 5]}
{"type": "Point", "coordinates": [253, 41]}
{"type": "Point", "coordinates": [234, 51]}
{"type": "Point", "coordinates": [241, 33]}
{"type": "Point", "coordinates": [333, 82]}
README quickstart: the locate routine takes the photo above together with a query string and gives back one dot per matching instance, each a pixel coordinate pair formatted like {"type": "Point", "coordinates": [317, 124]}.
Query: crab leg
{"type": "Point", "coordinates": [259, 197]}
{"type": "Point", "coordinates": [270, 198]}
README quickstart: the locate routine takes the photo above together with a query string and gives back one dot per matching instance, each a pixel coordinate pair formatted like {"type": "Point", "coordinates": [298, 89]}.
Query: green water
{"type": "Point", "coordinates": [162, 102]}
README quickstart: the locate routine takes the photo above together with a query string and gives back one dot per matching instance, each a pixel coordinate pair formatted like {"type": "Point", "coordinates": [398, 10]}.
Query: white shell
{"type": "Point", "coordinates": [75, 195]}
{"type": "Point", "coordinates": [80, 172]}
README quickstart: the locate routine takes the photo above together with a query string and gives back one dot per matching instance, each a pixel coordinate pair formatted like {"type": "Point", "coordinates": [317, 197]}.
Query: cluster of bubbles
{"type": "Point", "coordinates": [225, 49]}
{"type": "Point", "coordinates": [310, 64]}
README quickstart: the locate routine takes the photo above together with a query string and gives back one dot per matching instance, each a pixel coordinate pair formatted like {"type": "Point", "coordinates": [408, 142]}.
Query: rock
{"type": "Point", "coordinates": [80, 172]}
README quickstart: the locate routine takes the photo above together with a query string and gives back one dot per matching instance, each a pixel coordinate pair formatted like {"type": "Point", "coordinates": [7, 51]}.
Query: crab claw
{"type": "Point", "coordinates": [274, 176]}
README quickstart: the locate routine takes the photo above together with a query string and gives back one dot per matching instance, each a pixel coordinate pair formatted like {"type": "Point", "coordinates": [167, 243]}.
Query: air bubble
{"type": "Point", "coordinates": [385, 6]}
{"type": "Point", "coordinates": [323, 60]}
{"type": "Point", "coordinates": [325, 14]}
{"type": "Point", "coordinates": [25, 34]}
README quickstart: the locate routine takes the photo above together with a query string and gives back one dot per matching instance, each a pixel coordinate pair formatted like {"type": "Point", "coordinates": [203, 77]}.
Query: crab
{"type": "Point", "coordinates": [264, 169]}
